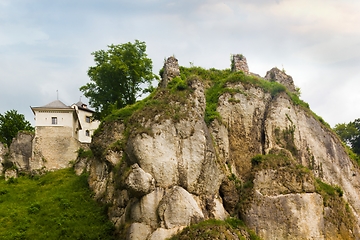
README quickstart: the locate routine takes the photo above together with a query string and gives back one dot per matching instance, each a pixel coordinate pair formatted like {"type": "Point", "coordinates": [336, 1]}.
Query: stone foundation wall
{"type": "Point", "coordinates": [53, 148]}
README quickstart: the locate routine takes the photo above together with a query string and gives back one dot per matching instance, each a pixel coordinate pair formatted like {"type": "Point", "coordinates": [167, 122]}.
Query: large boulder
{"type": "Point", "coordinates": [178, 208]}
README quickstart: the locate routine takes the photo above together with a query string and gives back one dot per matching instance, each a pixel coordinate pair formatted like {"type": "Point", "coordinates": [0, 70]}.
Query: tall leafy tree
{"type": "Point", "coordinates": [10, 124]}
{"type": "Point", "coordinates": [350, 134]}
{"type": "Point", "coordinates": [119, 75]}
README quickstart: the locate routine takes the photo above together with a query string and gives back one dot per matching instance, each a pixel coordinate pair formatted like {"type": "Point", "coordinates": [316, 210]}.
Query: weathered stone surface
{"type": "Point", "coordinates": [217, 209]}
{"type": "Point", "coordinates": [21, 150]}
{"type": "Point", "coordinates": [3, 151]}
{"type": "Point", "coordinates": [10, 173]}
{"type": "Point", "coordinates": [114, 157]}
{"type": "Point", "coordinates": [244, 120]}
{"type": "Point", "coordinates": [145, 210]}
{"type": "Point", "coordinates": [139, 182]}
{"type": "Point", "coordinates": [279, 76]}
{"type": "Point", "coordinates": [112, 133]}
{"type": "Point", "coordinates": [229, 195]}
{"type": "Point", "coordinates": [81, 165]}
{"type": "Point", "coordinates": [179, 208]}
{"type": "Point", "coordinates": [138, 231]}
{"type": "Point", "coordinates": [99, 178]}
{"type": "Point", "coordinates": [179, 153]}
{"type": "Point", "coordinates": [239, 63]}
{"type": "Point", "coordinates": [316, 147]}
{"type": "Point", "coordinates": [272, 182]}
{"type": "Point", "coordinates": [188, 161]}
{"type": "Point", "coordinates": [53, 148]}
{"type": "Point", "coordinates": [163, 233]}
{"type": "Point", "coordinates": [292, 216]}
{"type": "Point", "coordinates": [171, 70]}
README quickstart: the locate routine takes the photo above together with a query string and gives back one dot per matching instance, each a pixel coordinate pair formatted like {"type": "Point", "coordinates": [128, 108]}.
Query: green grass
{"type": "Point", "coordinates": [57, 205]}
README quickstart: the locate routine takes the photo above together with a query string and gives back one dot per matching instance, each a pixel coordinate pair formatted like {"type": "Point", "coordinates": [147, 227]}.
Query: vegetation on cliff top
{"type": "Point", "coordinates": [57, 205]}
{"type": "Point", "coordinates": [118, 76]}
{"type": "Point", "coordinates": [216, 229]}
{"type": "Point", "coordinates": [215, 81]}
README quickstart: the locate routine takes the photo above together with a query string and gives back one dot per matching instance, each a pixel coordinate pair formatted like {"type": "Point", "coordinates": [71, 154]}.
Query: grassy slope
{"type": "Point", "coordinates": [57, 205]}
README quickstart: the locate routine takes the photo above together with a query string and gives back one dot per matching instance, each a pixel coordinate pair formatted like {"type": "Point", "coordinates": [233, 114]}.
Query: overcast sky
{"type": "Point", "coordinates": [46, 46]}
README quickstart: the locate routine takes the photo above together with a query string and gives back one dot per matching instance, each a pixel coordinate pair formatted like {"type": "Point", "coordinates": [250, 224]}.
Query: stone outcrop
{"type": "Point", "coordinates": [138, 182]}
{"type": "Point", "coordinates": [264, 160]}
{"type": "Point", "coordinates": [239, 63]}
{"type": "Point", "coordinates": [21, 150]}
{"type": "Point", "coordinates": [279, 76]}
{"type": "Point", "coordinates": [10, 173]}
{"type": "Point", "coordinates": [171, 70]}
{"type": "Point", "coordinates": [3, 151]}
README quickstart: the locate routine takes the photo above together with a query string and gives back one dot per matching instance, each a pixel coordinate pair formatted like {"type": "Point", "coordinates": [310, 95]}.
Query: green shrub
{"type": "Point", "coordinates": [257, 160]}
{"type": "Point", "coordinates": [328, 189]}
{"type": "Point", "coordinates": [84, 153]}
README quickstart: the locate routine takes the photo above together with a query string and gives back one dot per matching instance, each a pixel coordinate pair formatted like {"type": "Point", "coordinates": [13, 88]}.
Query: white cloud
{"type": "Point", "coordinates": [15, 34]}
{"type": "Point", "coordinates": [46, 45]}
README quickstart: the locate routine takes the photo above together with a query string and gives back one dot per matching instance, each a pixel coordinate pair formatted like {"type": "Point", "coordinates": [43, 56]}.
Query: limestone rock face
{"type": "Point", "coordinates": [21, 150]}
{"type": "Point", "coordinates": [242, 137]}
{"type": "Point", "coordinates": [172, 206]}
{"type": "Point", "coordinates": [3, 151]}
{"type": "Point", "coordinates": [139, 182]}
{"type": "Point", "coordinates": [170, 178]}
{"type": "Point", "coordinates": [138, 231]}
{"type": "Point", "coordinates": [290, 216]}
{"type": "Point", "coordinates": [167, 173]}
{"type": "Point", "coordinates": [279, 76]}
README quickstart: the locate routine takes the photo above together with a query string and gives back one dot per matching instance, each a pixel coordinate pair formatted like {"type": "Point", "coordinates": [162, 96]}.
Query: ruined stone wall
{"type": "Point", "coordinates": [171, 70]}
{"type": "Point", "coordinates": [53, 148]}
{"type": "Point", "coordinates": [239, 63]}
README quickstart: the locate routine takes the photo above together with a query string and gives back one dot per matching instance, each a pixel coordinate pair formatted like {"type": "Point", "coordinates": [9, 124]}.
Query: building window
{"type": "Point", "coordinates": [54, 120]}
{"type": "Point", "coordinates": [87, 133]}
{"type": "Point", "coordinates": [87, 119]}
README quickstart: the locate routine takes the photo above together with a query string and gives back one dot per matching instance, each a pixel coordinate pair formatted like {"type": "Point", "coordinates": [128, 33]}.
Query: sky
{"type": "Point", "coordinates": [46, 46]}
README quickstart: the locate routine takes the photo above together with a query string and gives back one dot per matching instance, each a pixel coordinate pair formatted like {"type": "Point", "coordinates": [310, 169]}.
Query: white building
{"type": "Point", "coordinates": [77, 117]}
{"type": "Point", "coordinates": [60, 131]}
{"type": "Point", "coordinates": [87, 124]}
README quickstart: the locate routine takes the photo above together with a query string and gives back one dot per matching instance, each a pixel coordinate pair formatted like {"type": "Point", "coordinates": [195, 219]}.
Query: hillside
{"type": "Point", "coordinates": [214, 144]}
{"type": "Point", "coordinates": [57, 205]}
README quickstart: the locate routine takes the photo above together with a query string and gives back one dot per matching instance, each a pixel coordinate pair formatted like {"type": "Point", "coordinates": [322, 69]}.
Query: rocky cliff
{"type": "Point", "coordinates": [212, 144]}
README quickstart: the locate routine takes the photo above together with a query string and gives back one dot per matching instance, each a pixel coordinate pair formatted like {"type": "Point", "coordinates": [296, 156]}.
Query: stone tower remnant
{"type": "Point", "coordinates": [239, 63]}
{"type": "Point", "coordinates": [279, 76]}
{"type": "Point", "coordinates": [171, 70]}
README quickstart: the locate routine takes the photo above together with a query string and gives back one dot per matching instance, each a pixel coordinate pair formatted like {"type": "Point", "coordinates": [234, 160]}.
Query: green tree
{"type": "Point", "coordinates": [118, 77]}
{"type": "Point", "coordinates": [10, 124]}
{"type": "Point", "coordinates": [350, 134]}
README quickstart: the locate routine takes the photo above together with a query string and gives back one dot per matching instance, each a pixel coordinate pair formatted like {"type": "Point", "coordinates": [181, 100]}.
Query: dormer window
{"type": "Point", "coordinates": [87, 119]}
{"type": "Point", "coordinates": [54, 121]}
